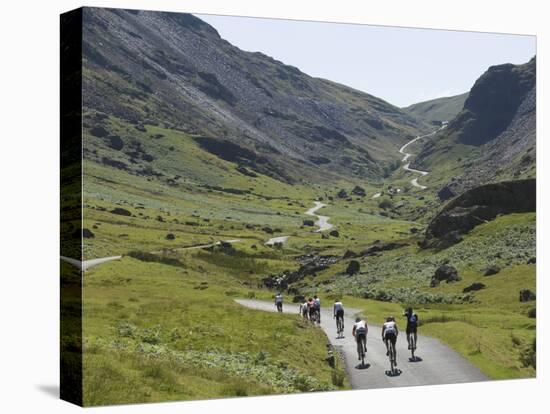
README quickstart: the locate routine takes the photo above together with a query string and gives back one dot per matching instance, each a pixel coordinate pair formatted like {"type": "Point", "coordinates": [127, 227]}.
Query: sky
{"type": "Point", "coordinates": [400, 65]}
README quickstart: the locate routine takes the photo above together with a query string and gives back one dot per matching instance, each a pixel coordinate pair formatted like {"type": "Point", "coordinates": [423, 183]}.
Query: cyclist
{"type": "Point", "coordinates": [359, 331]}
{"type": "Point", "coordinates": [412, 324]}
{"type": "Point", "coordinates": [304, 309]}
{"type": "Point", "coordinates": [317, 307]}
{"type": "Point", "coordinates": [279, 302]}
{"type": "Point", "coordinates": [389, 333]}
{"type": "Point", "coordinates": [311, 309]}
{"type": "Point", "coordinates": [339, 313]}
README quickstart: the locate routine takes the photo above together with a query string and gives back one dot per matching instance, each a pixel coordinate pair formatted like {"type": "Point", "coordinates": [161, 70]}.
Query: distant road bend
{"type": "Point", "coordinates": [407, 167]}
{"type": "Point", "coordinates": [437, 363]}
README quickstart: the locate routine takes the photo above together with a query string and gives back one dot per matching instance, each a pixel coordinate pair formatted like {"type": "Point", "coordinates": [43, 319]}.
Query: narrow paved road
{"type": "Point", "coordinates": [407, 166]}
{"type": "Point", "coordinates": [322, 221]}
{"type": "Point", "coordinates": [437, 363]}
{"type": "Point", "coordinates": [88, 264]}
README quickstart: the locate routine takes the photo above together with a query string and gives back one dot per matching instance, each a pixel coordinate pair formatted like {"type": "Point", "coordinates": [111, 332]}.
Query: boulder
{"type": "Point", "coordinates": [334, 233]}
{"type": "Point", "coordinates": [359, 191]}
{"type": "Point", "coordinates": [170, 236]}
{"type": "Point", "coordinates": [532, 260]}
{"type": "Point", "coordinates": [473, 287]}
{"type": "Point", "coordinates": [353, 267]}
{"type": "Point", "coordinates": [445, 273]}
{"type": "Point", "coordinates": [342, 194]}
{"type": "Point", "coordinates": [115, 142]}
{"type": "Point", "coordinates": [492, 270]}
{"type": "Point", "coordinates": [526, 295]}
{"type": "Point", "coordinates": [308, 222]}
{"type": "Point", "coordinates": [87, 234]}
{"type": "Point", "coordinates": [121, 211]}
{"type": "Point", "coordinates": [99, 131]}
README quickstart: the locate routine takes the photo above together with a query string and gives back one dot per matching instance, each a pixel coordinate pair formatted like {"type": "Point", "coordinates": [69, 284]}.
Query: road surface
{"type": "Point", "coordinates": [322, 221]}
{"type": "Point", "coordinates": [436, 364]}
{"type": "Point", "coordinates": [280, 239]}
{"type": "Point", "coordinates": [88, 264]}
{"type": "Point", "coordinates": [407, 166]}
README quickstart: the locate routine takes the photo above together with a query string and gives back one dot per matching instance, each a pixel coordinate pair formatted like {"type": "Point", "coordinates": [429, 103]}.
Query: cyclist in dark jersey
{"type": "Point", "coordinates": [412, 325]}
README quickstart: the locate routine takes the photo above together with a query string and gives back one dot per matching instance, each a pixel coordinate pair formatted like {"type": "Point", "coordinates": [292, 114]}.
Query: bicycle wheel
{"type": "Point", "coordinates": [392, 358]}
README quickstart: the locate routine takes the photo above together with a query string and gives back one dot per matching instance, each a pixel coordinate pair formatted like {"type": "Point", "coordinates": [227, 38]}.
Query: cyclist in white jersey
{"type": "Point", "coordinates": [338, 313]}
{"type": "Point", "coordinates": [279, 302]}
{"type": "Point", "coordinates": [359, 331]}
{"type": "Point", "coordinates": [389, 333]}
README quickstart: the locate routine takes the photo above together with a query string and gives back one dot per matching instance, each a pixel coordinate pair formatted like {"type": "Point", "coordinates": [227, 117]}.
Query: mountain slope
{"type": "Point", "coordinates": [492, 139]}
{"type": "Point", "coordinates": [174, 71]}
{"type": "Point", "coordinates": [438, 110]}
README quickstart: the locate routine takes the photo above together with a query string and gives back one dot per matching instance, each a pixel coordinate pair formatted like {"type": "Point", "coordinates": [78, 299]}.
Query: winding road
{"type": "Point", "coordinates": [322, 223]}
{"type": "Point", "coordinates": [436, 364]}
{"type": "Point", "coordinates": [407, 166]}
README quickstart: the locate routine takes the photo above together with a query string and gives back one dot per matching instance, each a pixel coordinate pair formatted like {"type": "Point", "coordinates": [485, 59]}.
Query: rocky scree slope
{"type": "Point", "coordinates": [174, 70]}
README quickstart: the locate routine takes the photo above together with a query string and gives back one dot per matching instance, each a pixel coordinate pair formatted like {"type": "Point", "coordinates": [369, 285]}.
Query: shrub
{"type": "Point", "coordinates": [385, 204]}
{"type": "Point", "coordinates": [353, 267]}
{"type": "Point", "coordinates": [126, 329]}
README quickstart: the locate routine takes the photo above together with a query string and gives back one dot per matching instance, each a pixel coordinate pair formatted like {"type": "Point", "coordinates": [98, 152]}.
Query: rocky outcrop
{"type": "Point", "coordinates": [492, 270]}
{"type": "Point", "coordinates": [493, 102]}
{"type": "Point", "coordinates": [380, 247]}
{"type": "Point", "coordinates": [478, 206]}
{"type": "Point", "coordinates": [474, 287]}
{"type": "Point", "coordinates": [310, 265]}
{"type": "Point", "coordinates": [353, 267]}
{"type": "Point", "coordinates": [444, 273]}
{"type": "Point", "coordinates": [525, 295]}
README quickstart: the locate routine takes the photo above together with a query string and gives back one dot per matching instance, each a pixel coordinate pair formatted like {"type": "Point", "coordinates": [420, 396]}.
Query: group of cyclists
{"type": "Point", "coordinates": [310, 309]}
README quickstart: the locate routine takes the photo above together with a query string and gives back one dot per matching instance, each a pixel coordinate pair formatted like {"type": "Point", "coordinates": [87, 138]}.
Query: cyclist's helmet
{"type": "Point", "coordinates": [389, 318]}
{"type": "Point", "coordinates": [357, 319]}
{"type": "Point", "coordinates": [410, 310]}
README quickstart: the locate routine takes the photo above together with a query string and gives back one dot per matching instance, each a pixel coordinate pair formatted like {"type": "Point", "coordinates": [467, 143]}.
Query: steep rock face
{"type": "Point", "coordinates": [493, 102]}
{"type": "Point", "coordinates": [174, 70]}
{"type": "Point", "coordinates": [493, 139]}
{"type": "Point", "coordinates": [483, 204]}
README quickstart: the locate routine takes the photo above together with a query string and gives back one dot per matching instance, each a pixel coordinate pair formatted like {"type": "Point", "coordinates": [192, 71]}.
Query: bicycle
{"type": "Point", "coordinates": [393, 362]}
{"type": "Point", "coordinates": [412, 344]}
{"type": "Point", "coordinates": [340, 326]}
{"type": "Point", "coordinates": [361, 348]}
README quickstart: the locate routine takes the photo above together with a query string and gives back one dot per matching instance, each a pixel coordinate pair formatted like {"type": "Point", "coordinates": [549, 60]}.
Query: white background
{"type": "Point", "coordinates": [29, 172]}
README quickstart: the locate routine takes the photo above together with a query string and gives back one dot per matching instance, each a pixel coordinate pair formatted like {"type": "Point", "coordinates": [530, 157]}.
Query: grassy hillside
{"type": "Point", "coordinates": [438, 110]}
